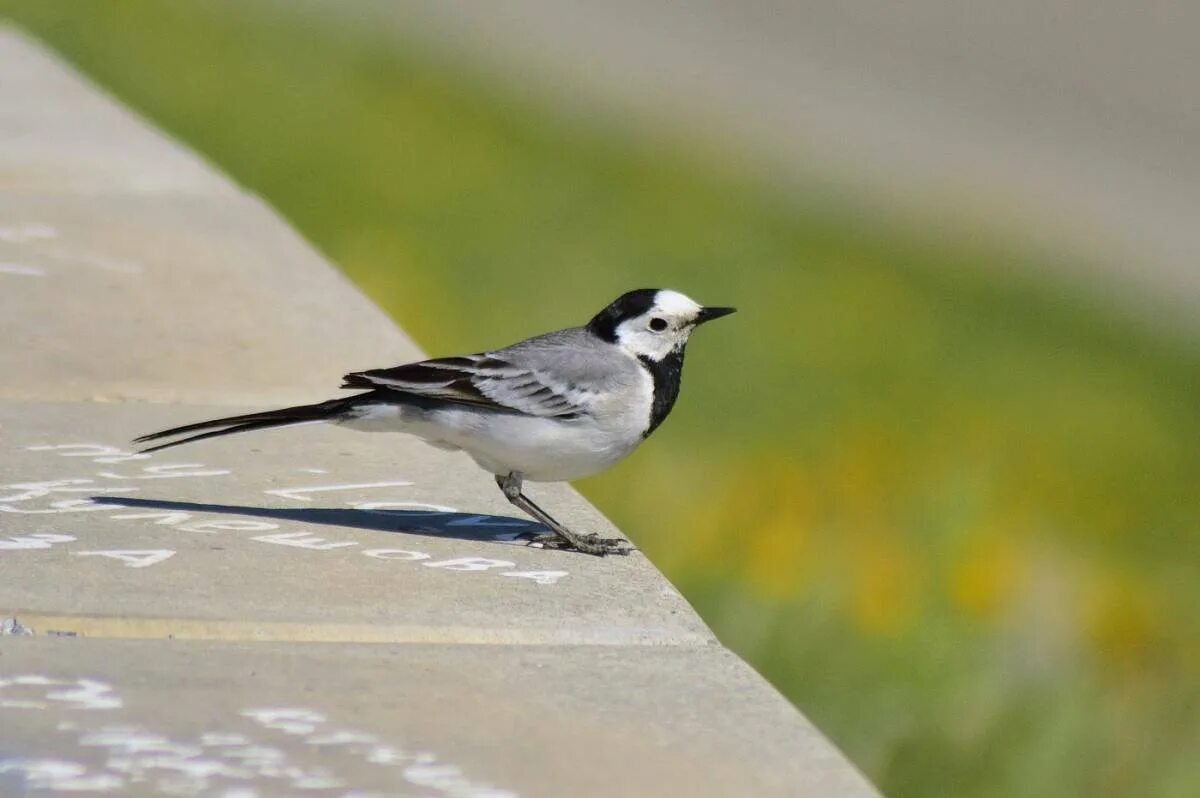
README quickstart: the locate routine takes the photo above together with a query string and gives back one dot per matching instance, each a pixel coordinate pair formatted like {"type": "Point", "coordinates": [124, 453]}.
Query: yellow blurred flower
{"type": "Point", "coordinates": [1122, 617]}
{"type": "Point", "coordinates": [776, 560]}
{"type": "Point", "coordinates": [887, 583]}
{"type": "Point", "coordinates": [982, 579]}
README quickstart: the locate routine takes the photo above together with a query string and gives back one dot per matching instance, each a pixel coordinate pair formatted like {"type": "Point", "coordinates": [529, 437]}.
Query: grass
{"type": "Point", "coordinates": [950, 511]}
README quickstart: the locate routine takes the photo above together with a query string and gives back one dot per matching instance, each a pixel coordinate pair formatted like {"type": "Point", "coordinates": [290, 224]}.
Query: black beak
{"type": "Point", "coordinates": [708, 314]}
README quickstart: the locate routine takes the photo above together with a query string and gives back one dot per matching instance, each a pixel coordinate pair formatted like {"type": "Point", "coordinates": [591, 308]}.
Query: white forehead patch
{"type": "Point", "coordinates": [675, 304]}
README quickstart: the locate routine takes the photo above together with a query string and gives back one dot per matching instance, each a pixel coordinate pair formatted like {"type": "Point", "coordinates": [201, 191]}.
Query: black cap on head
{"type": "Point", "coordinates": [629, 305]}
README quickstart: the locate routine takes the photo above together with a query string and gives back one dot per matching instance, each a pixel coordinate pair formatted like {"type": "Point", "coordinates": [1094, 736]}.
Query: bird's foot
{"type": "Point", "coordinates": [587, 544]}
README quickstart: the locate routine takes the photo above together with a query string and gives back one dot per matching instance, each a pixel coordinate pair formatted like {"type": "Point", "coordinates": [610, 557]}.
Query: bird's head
{"type": "Point", "coordinates": [652, 322]}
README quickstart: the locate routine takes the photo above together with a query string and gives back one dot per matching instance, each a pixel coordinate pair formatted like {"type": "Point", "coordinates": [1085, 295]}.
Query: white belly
{"type": "Point", "coordinates": [545, 451]}
{"type": "Point", "coordinates": [541, 449]}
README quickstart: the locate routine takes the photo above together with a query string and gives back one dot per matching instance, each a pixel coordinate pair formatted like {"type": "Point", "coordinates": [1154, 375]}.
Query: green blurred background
{"type": "Point", "coordinates": [948, 509]}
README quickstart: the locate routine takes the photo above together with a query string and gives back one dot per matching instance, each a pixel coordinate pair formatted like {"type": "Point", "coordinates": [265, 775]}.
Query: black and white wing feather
{"type": "Point", "coordinates": [487, 380]}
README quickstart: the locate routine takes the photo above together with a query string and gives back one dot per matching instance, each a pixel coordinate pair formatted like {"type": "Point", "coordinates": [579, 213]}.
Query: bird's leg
{"type": "Point", "coordinates": [510, 484]}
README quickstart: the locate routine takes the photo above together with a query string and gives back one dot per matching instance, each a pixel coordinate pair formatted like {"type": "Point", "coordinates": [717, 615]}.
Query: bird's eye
{"type": "Point", "coordinates": [657, 324]}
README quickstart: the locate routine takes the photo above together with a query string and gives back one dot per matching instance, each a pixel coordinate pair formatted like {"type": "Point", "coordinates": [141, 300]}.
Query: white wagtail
{"type": "Point", "coordinates": [555, 407]}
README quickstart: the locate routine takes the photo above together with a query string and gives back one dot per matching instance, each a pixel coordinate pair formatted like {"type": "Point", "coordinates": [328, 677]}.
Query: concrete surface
{"type": "Point", "coordinates": [428, 720]}
{"type": "Point", "coordinates": [183, 296]}
{"type": "Point", "coordinates": [1072, 126]}
{"type": "Point", "coordinates": [266, 516]}
{"type": "Point", "coordinates": [62, 135]}
{"type": "Point", "coordinates": [303, 612]}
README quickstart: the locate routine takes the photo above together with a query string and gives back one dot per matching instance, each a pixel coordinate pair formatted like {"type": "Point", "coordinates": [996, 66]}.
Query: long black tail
{"type": "Point", "coordinates": [323, 411]}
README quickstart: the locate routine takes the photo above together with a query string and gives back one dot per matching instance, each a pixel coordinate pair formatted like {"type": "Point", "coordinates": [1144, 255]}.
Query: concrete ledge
{"type": "Point", "coordinates": [308, 528]}
{"type": "Point", "coordinates": [178, 297]}
{"type": "Point", "coordinates": [473, 721]}
{"type": "Point", "coordinates": [62, 135]}
{"type": "Point", "coordinates": [300, 612]}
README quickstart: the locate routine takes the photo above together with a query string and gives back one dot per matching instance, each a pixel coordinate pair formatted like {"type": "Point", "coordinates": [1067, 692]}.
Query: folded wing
{"type": "Point", "coordinates": [483, 380]}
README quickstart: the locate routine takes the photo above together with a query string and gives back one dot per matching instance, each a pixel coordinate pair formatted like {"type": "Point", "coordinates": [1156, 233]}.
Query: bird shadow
{"type": "Point", "coordinates": [457, 526]}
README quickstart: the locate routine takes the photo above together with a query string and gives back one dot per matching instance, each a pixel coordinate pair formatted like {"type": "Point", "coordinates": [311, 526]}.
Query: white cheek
{"type": "Point", "coordinates": [653, 345]}
{"type": "Point", "coordinates": [636, 338]}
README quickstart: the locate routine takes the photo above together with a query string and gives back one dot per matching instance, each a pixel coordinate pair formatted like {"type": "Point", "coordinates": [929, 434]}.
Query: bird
{"type": "Point", "coordinates": [555, 407]}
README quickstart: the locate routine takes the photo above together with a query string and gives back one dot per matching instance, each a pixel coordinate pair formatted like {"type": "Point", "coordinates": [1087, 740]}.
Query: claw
{"type": "Point", "coordinates": [588, 544]}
